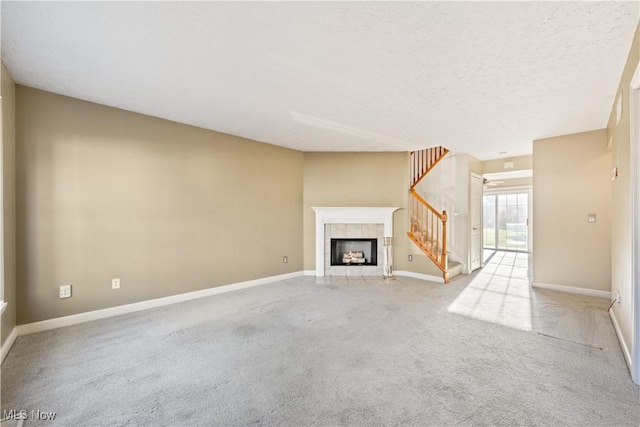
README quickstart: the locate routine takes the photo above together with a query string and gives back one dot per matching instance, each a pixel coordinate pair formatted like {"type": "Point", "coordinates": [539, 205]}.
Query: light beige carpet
{"type": "Point", "coordinates": [354, 351]}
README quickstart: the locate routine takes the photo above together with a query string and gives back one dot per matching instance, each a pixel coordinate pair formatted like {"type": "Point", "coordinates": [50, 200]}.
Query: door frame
{"type": "Point", "coordinates": [634, 124]}
{"type": "Point", "coordinates": [511, 190]}
{"type": "Point", "coordinates": [481, 213]}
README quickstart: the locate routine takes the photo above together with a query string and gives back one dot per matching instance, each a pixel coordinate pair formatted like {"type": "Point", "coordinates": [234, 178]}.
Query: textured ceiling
{"type": "Point", "coordinates": [481, 78]}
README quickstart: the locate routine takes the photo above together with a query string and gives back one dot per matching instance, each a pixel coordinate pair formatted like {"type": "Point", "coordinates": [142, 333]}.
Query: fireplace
{"type": "Point", "coordinates": [352, 252]}
{"type": "Point", "coordinates": [352, 223]}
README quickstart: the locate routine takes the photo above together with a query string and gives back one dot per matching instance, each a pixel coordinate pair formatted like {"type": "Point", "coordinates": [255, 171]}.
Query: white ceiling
{"type": "Point", "coordinates": [480, 78]}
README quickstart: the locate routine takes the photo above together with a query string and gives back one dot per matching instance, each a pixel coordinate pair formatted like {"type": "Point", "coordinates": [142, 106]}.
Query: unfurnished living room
{"type": "Point", "coordinates": [320, 213]}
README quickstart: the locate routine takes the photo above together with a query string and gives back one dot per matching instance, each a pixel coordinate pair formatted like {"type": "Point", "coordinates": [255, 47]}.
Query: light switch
{"type": "Point", "coordinates": [591, 217]}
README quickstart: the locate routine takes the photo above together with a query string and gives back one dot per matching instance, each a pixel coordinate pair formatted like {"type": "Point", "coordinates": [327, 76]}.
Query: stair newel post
{"type": "Point", "coordinates": [444, 246]}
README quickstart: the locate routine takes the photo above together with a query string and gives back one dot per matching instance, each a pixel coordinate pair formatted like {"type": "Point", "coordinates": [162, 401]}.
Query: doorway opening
{"type": "Point", "coordinates": [506, 221]}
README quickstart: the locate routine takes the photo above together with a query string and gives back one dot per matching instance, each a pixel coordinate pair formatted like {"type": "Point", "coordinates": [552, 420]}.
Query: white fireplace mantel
{"type": "Point", "coordinates": [349, 215]}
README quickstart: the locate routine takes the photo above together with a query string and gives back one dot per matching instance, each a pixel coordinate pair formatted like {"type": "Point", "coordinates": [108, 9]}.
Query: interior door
{"type": "Point", "coordinates": [475, 212]}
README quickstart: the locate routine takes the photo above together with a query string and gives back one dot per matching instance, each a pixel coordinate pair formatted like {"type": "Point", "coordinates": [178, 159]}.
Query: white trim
{"type": "Point", "coordinates": [89, 316]}
{"type": "Point", "coordinates": [623, 344]}
{"type": "Point", "coordinates": [8, 343]}
{"type": "Point", "coordinates": [3, 306]}
{"type": "Point", "coordinates": [427, 277]}
{"type": "Point", "coordinates": [349, 215]}
{"type": "Point", "coordinates": [1, 201]}
{"type": "Point", "coordinates": [634, 147]}
{"type": "Point", "coordinates": [498, 190]}
{"type": "Point", "coordinates": [528, 189]}
{"type": "Point", "coordinates": [480, 224]}
{"type": "Point", "coordinates": [309, 273]}
{"type": "Point", "coordinates": [573, 290]}
{"type": "Point", "coordinates": [635, 80]}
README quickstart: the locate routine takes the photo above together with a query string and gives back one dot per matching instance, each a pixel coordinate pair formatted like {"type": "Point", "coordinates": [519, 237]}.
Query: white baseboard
{"type": "Point", "coordinates": [8, 343]}
{"type": "Point", "coordinates": [623, 344]}
{"type": "Point", "coordinates": [573, 290]}
{"type": "Point", "coordinates": [89, 316]}
{"type": "Point", "coordinates": [428, 277]}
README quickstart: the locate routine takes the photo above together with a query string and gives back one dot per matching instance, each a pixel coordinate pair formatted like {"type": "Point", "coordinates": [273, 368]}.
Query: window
{"type": "Point", "coordinates": [506, 220]}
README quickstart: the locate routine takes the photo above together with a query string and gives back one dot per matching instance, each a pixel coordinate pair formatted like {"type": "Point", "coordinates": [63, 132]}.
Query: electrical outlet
{"type": "Point", "coordinates": [410, 257]}
{"type": "Point", "coordinates": [115, 283]}
{"type": "Point", "coordinates": [285, 259]}
{"type": "Point", "coordinates": [618, 297]}
{"type": "Point", "coordinates": [65, 291]}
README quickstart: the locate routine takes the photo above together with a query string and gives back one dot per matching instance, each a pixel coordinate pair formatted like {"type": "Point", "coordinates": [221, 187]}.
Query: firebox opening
{"type": "Point", "coordinates": [354, 251]}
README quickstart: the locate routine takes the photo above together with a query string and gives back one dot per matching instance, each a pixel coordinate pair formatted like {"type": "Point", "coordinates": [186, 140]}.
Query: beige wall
{"type": "Point", "coordinates": [167, 208]}
{"type": "Point", "coordinates": [361, 179]}
{"type": "Point", "coordinates": [9, 201]}
{"type": "Point", "coordinates": [571, 180]}
{"type": "Point", "coordinates": [448, 187]}
{"type": "Point", "coordinates": [475, 165]}
{"type": "Point", "coordinates": [519, 163]}
{"type": "Point", "coordinates": [621, 226]}
{"type": "Point", "coordinates": [497, 165]}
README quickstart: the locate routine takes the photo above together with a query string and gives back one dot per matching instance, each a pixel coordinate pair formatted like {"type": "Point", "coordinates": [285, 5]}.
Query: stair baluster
{"type": "Point", "coordinates": [428, 226]}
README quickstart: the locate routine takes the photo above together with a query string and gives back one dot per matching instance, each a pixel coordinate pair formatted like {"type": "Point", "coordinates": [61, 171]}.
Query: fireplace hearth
{"type": "Point", "coordinates": [350, 252]}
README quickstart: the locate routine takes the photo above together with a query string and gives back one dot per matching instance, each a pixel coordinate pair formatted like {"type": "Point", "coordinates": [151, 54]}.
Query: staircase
{"type": "Point", "coordinates": [428, 226]}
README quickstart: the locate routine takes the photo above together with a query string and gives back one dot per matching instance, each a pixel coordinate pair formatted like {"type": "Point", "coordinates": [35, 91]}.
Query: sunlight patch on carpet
{"type": "Point", "coordinates": [495, 298]}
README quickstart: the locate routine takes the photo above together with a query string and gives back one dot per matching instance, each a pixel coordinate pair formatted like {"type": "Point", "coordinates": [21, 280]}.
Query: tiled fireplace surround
{"type": "Point", "coordinates": [351, 222]}
{"type": "Point", "coordinates": [352, 231]}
